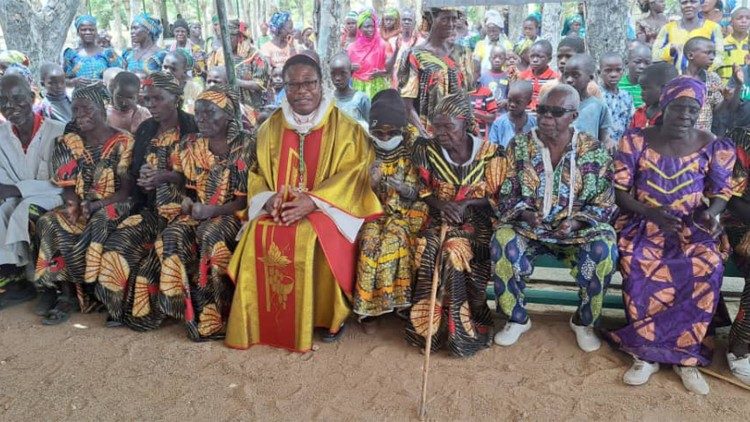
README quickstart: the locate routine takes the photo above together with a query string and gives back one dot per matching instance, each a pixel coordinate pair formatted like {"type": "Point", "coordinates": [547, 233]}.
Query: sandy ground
{"type": "Point", "coordinates": [84, 371]}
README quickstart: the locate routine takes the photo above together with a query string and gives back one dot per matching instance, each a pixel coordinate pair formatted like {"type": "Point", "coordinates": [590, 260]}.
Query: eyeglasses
{"type": "Point", "coordinates": [553, 111]}
{"type": "Point", "coordinates": [304, 85]}
{"type": "Point", "coordinates": [385, 134]}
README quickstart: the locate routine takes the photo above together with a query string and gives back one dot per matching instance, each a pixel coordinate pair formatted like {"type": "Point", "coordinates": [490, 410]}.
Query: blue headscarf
{"type": "Point", "coordinates": [83, 20]}
{"type": "Point", "coordinates": [278, 20]}
{"type": "Point", "coordinates": [152, 25]}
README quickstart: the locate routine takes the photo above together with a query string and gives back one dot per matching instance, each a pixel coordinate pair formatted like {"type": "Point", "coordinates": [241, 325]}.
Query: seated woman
{"type": "Point", "coordinates": [129, 279]}
{"type": "Point", "coordinates": [460, 175]}
{"type": "Point", "coordinates": [671, 264]}
{"type": "Point", "coordinates": [385, 266]}
{"type": "Point", "coordinates": [91, 165]}
{"type": "Point", "coordinates": [195, 248]}
{"type": "Point", "coordinates": [558, 201]}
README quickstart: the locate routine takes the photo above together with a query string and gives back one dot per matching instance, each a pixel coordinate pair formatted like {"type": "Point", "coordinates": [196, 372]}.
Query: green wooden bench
{"type": "Point", "coordinates": [612, 300]}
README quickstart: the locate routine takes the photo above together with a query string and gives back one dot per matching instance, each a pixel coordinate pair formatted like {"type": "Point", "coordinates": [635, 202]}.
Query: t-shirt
{"type": "Point", "coordinates": [537, 82]}
{"type": "Point", "coordinates": [497, 83]}
{"type": "Point", "coordinates": [640, 118]}
{"type": "Point", "coordinates": [633, 89]}
{"type": "Point", "coordinates": [621, 109]}
{"type": "Point", "coordinates": [356, 105]}
{"type": "Point", "coordinates": [714, 97]}
{"type": "Point", "coordinates": [127, 120]}
{"type": "Point", "coordinates": [593, 115]}
{"type": "Point", "coordinates": [483, 102]}
{"type": "Point", "coordinates": [734, 54]}
{"type": "Point", "coordinates": [502, 130]}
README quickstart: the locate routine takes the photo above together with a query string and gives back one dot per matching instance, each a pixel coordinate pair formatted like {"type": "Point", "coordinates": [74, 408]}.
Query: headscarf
{"type": "Point", "coordinates": [278, 20]}
{"type": "Point", "coordinates": [23, 71]}
{"type": "Point", "coordinates": [571, 20]}
{"type": "Point", "coordinates": [14, 57]}
{"type": "Point", "coordinates": [152, 25]}
{"type": "Point", "coordinates": [189, 60]}
{"type": "Point", "coordinates": [181, 23]}
{"type": "Point", "coordinates": [214, 19]}
{"type": "Point", "coordinates": [682, 86]}
{"type": "Point", "coordinates": [353, 14]}
{"type": "Point", "coordinates": [493, 17]}
{"type": "Point", "coordinates": [458, 106]}
{"type": "Point", "coordinates": [227, 99]}
{"type": "Point", "coordinates": [163, 81]}
{"type": "Point", "coordinates": [83, 20]}
{"type": "Point", "coordinates": [387, 109]}
{"type": "Point", "coordinates": [369, 53]}
{"type": "Point", "coordinates": [95, 92]}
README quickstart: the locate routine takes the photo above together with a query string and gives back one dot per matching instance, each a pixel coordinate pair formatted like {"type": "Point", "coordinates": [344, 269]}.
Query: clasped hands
{"type": "Point", "coordinates": [565, 228]}
{"type": "Point", "coordinates": [76, 209]}
{"type": "Point", "coordinates": [150, 178]}
{"type": "Point", "coordinates": [288, 212]}
{"type": "Point", "coordinates": [670, 223]}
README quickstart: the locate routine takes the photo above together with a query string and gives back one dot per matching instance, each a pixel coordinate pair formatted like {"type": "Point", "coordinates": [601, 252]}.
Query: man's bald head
{"type": "Point", "coordinates": [584, 62]}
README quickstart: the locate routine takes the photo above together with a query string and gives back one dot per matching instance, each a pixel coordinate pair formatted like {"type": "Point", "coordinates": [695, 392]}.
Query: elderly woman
{"type": "Point", "coordinates": [129, 279]}
{"type": "Point", "coordinates": [308, 196]}
{"type": "Point", "coordinates": [145, 56]}
{"type": "Point", "coordinates": [253, 78]}
{"type": "Point", "coordinates": [178, 64]}
{"type": "Point", "coordinates": [91, 165]}
{"type": "Point", "coordinates": [182, 40]}
{"type": "Point", "coordinates": [672, 181]}
{"type": "Point", "coordinates": [372, 61]}
{"type": "Point", "coordinates": [196, 246]}
{"type": "Point", "coordinates": [459, 177]}
{"type": "Point", "coordinates": [558, 200]}
{"type": "Point", "coordinates": [385, 266]}
{"type": "Point", "coordinates": [281, 46]}
{"type": "Point", "coordinates": [242, 46]}
{"type": "Point", "coordinates": [434, 69]}
{"type": "Point", "coordinates": [669, 43]}
{"type": "Point", "coordinates": [88, 61]}
{"type": "Point", "coordinates": [349, 32]}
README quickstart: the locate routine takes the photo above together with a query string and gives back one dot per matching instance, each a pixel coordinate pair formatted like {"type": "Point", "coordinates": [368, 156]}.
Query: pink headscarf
{"type": "Point", "coordinates": [368, 53]}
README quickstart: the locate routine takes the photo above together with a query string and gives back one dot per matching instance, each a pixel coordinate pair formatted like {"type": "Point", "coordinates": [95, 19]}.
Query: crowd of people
{"type": "Point", "coordinates": [262, 213]}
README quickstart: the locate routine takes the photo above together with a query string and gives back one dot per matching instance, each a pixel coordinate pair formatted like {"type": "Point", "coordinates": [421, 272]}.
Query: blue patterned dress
{"type": "Point", "coordinates": [77, 64]}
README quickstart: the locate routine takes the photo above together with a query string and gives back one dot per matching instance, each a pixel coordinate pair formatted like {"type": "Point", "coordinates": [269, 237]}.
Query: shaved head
{"type": "Point", "coordinates": [584, 62]}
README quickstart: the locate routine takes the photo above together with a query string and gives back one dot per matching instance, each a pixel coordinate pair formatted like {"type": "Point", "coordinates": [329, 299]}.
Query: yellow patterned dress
{"type": "Point", "coordinates": [71, 253]}
{"type": "Point", "coordinates": [385, 267]}
{"type": "Point", "coordinates": [194, 254]}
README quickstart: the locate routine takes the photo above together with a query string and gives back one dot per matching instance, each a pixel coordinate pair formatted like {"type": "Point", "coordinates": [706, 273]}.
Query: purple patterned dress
{"type": "Point", "coordinates": [671, 282]}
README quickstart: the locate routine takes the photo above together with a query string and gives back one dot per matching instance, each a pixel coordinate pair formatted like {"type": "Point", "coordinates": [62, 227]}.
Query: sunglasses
{"type": "Point", "coordinates": [382, 133]}
{"type": "Point", "coordinates": [553, 111]}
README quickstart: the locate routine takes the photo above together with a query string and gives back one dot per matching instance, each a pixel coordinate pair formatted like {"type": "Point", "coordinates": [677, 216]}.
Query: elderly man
{"type": "Point", "coordinates": [26, 143]}
{"type": "Point", "coordinates": [556, 199]}
{"type": "Point", "coordinates": [308, 196]}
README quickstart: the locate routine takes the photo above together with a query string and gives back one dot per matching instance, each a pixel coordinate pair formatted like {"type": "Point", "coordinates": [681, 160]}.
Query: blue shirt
{"type": "Point", "coordinates": [502, 130]}
{"type": "Point", "coordinates": [593, 115]}
{"type": "Point", "coordinates": [621, 110]}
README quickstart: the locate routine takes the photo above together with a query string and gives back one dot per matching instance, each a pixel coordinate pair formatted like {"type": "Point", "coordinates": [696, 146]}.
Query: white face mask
{"type": "Point", "coordinates": [388, 145]}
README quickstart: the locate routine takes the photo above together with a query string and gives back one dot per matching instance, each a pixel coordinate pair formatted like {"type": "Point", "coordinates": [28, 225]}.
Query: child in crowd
{"type": "Point", "coordinates": [354, 103]}
{"type": "Point", "coordinates": [651, 80]}
{"type": "Point", "coordinates": [530, 29]}
{"type": "Point", "coordinates": [639, 57]}
{"type": "Point", "coordinates": [485, 109]}
{"type": "Point", "coordinates": [56, 104]}
{"type": "Point", "coordinates": [737, 44]}
{"type": "Point", "coordinates": [109, 75]}
{"type": "Point", "coordinates": [700, 53]}
{"type": "Point", "coordinates": [593, 115]}
{"type": "Point", "coordinates": [620, 103]}
{"type": "Point", "coordinates": [567, 48]}
{"type": "Point", "coordinates": [539, 73]}
{"type": "Point", "coordinates": [124, 113]}
{"type": "Point", "coordinates": [496, 79]}
{"type": "Point", "coordinates": [517, 120]}
{"type": "Point", "coordinates": [277, 83]}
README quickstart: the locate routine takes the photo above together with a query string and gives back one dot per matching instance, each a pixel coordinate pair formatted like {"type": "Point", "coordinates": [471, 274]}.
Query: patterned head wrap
{"type": "Point", "coordinates": [493, 17]}
{"type": "Point", "coordinates": [14, 57]}
{"type": "Point", "coordinates": [22, 71]}
{"type": "Point", "coordinates": [392, 12]}
{"type": "Point", "coordinates": [682, 86]}
{"type": "Point", "coordinates": [458, 106]}
{"type": "Point", "coordinates": [189, 61]}
{"type": "Point", "coordinates": [83, 20]}
{"type": "Point", "coordinates": [96, 93]}
{"type": "Point", "coordinates": [278, 20]}
{"type": "Point", "coordinates": [353, 15]}
{"type": "Point", "coordinates": [152, 25]}
{"type": "Point", "coordinates": [163, 81]}
{"type": "Point", "coordinates": [228, 99]}
{"type": "Point", "coordinates": [364, 16]}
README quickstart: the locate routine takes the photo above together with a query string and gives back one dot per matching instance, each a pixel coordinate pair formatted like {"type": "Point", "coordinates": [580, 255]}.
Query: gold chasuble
{"type": "Point", "coordinates": [291, 279]}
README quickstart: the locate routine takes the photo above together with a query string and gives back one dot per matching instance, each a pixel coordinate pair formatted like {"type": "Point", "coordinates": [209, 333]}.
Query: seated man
{"type": "Point", "coordinates": [26, 143]}
{"type": "Point", "coordinates": [540, 214]}
{"type": "Point", "coordinates": [294, 267]}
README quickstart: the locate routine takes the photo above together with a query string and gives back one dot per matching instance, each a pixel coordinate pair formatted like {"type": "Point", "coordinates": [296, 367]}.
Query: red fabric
{"type": "Point", "coordinates": [641, 120]}
{"type": "Point", "coordinates": [537, 82]}
{"type": "Point", "coordinates": [38, 119]}
{"type": "Point", "coordinates": [369, 53]}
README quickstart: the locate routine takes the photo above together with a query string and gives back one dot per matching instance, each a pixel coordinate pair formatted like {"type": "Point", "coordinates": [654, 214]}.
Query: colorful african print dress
{"type": "Point", "coordinates": [129, 280]}
{"type": "Point", "coordinates": [77, 64]}
{"type": "Point", "coordinates": [463, 319]}
{"type": "Point", "coordinates": [579, 187]}
{"type": "Point", "coordinates": [256, 69]}
{"type": "Point", "coordinates": [385, 267]}
{"type": "Point", "coordinates": [194, 254]}
{"type": "Point", "coordinates": [72, 252]}
{"type": "Point", "coordinates": [427, 78]}
{"type": "Point", "coordinates": [145, 65]}
{"type": "Point", "coordinates": [671, 282]}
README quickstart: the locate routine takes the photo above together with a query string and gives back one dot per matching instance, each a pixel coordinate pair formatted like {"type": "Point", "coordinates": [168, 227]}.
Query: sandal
{"type": "Point", "coordinates": [60, 313]}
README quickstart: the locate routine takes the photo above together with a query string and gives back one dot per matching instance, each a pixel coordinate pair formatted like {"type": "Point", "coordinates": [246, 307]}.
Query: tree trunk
{"type": "Point", "coordinates": [136, 7]}
{"type": "Point", "coordinates": [38, 32]}
{"type": "Point", "coordinates": [516, 17]}
{"type": "Point", "coordinates": [164, 16]}
{"type": "Point", "coordinates": [328, 35]}
{"type": "Point", "coordinates": [116, 27]}
{"type": "Point", "coordinates": [606, 27]}
{"type": "Point", "coordinates": [551, 24]}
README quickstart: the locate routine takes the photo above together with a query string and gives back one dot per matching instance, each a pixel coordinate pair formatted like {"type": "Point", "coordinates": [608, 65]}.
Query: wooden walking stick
{"type": "Point", "coordinates": [431, 314]}
{"type": "Point", "coordinates": [724, 378]}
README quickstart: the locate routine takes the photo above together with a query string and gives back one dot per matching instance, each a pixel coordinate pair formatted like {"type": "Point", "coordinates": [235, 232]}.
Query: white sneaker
{"type": "Point", "coordinates": [740, 367]}
{"type": "Point", "coordinates": [512, 331]}
{"type": "Point", "coordinates": [586, 337]}
{"type": "Point", "coordinates": [640, 372]}
{"type": "Point", "coordinates": [692, 379]}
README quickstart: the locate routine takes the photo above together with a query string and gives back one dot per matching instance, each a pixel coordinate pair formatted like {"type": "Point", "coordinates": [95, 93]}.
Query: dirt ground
{"type": "Point", "coordinates": [83, 371]}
